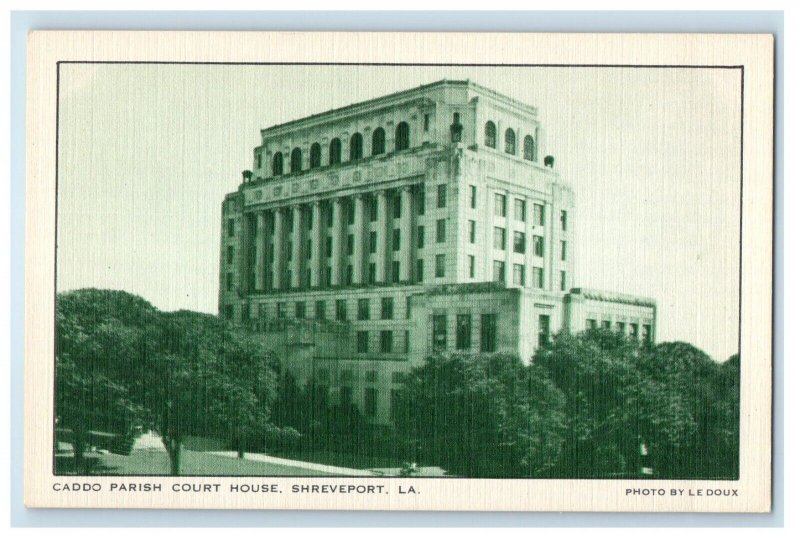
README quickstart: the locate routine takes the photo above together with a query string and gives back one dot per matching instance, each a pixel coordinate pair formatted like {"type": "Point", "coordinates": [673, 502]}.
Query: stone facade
{"type": "Point", "coordinates": [369, 237]}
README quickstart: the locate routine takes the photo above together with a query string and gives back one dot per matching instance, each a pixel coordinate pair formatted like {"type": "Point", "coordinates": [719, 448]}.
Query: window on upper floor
{"type": "Point", "coordinates": [315, 156]}
{"type": "Point", "coordinates": [277, 164]}
{"type": "Point", "coordinates": [499, 238]}
{"type": "Point", "coordinates": [519, 242]}
{"type": "Point", "coordinates": [511, 142]}
{"type": "Point", "coordinates": [538, 214]}
{"type": "Point", "coordinates": [296, 160]}
{"type": "Point", "coordinates": [378, 141]}
{"type": "Point", "coordinates": [356, 146]}
{"type": "Point", "coordinates": [528, 151]}
{"type": "Point", "coordinates": [490, 134]}
{"type": "Point", "coordinates": [519, 209]}
{"type": "Point", "coordinates": [499, 205]}
{"type": "Point", "coordinates": [441, 195]}
{"type": "Point", "coordinates": [402, 137]}
{"type": "Point", "coordinates": [441, 230]}
{"type": "Point", "coordinates": [335, 152]}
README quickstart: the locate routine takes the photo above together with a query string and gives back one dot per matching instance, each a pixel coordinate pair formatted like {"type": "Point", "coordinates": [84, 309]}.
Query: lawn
{"type": "Point", "coordinates": [147, 462]}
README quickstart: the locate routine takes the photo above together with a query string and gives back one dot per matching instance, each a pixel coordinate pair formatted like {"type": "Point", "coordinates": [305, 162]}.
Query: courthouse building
{"type": "Point", "coordinates": [369, 237]}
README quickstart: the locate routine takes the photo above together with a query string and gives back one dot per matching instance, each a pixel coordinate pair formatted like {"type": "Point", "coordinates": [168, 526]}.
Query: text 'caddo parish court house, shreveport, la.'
{"type": "Point", "coordinates": [371, 236]}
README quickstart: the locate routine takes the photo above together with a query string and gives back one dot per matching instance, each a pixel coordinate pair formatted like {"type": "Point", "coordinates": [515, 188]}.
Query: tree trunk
{"type": "Point", "coordinates": [240, 453]}
{"type": "Point", "coordinates": [173, 447]}
{"type": "Point", "coordinates": [79, 451]}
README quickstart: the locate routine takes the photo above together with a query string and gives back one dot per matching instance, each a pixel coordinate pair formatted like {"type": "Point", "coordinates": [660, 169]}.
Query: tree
{"type": "Point", "coordinates": [201, 377]}
{"type": "Point", "coordinates": [483, 415]}
{"type": "Point", "coordinates": [99, 334]}
{"type": "Point", "coordinates": [613, 406]}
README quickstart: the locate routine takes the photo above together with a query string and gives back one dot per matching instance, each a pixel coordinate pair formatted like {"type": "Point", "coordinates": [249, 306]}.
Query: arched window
{"type": "Point", "coordinates": [296, 162]}
{"type": "Point", "coordinates": [511, 142]}
{"type": "Point", "coordinates": [356, 146]}
{"type": "Point", "coordinates": [490, 132]}
{"type": "Point", "coordinates": [335, 151]}
{"type": "Point", "coordinates": [378, 141]}
{"type": "Point", "coordinates": [316, 156]}
{"type": "Point", "coordinates": [277, 164]}
{"type": "Point", "coordinates": [528, 151]}
{"type": "Point", "coordinates": [401, 136]}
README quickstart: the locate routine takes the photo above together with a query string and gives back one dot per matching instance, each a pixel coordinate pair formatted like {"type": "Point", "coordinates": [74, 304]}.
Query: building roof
{"type": "Point", "coordinates": [393, 98]}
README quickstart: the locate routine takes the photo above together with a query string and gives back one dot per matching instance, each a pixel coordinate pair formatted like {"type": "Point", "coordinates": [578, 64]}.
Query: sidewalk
{"type": "Point", "coordinates": [299, 464]}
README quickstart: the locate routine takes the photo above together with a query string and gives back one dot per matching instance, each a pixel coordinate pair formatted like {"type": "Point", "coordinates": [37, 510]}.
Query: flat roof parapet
{"type": "Point", "coordinates": [612, 297]}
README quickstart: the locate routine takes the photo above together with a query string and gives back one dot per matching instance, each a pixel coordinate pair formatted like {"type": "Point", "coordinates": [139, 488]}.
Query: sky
{"type": "Point", "coordinates": [147, 153]}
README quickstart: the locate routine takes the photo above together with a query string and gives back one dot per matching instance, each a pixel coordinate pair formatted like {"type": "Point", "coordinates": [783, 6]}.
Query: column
{"type": "Point", "coordinates": [277, 250]}
{"type": "Point", "coordinates": [383, 219]}
{"type": "Point", "coordinates": [358, 240]}
{"type": "Point", "coordinates": [406, 234]}
{"type": "Point", "coordinates": [297, 234]}
{"type": "Point", "coordinates": [316, 244]}
{"type": "Point", "coordinates": [336, 242]}
{"type": "Point", "coordinates": [260, 244]}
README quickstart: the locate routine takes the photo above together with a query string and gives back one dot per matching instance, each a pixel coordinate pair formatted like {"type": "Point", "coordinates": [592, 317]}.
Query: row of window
{"type": "Point", "coordinates": [519, 246]}
{"type": "Point", "coordinates": [530, 149]}
{"type": "Point", "coordinates": [520, 213]}
{"type": "Point", "coordinates": [386, 342]}
{"type": "Point", "coordinates": [363, 309]}
{"type": "Point", "coordinates": [487, 335]}
{"type": "Point", "coordinates": [619, 326]}
{"type": "Point", "coordinates": [348, 375]}
{"type": "Point", "coordinates": [518, 276]}
{"type": "Point", "coordinates": [402, 140]}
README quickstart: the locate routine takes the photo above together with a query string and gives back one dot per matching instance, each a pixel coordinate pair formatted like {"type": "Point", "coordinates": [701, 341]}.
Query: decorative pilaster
{"type": "Point", "coordinates": [358, 240]}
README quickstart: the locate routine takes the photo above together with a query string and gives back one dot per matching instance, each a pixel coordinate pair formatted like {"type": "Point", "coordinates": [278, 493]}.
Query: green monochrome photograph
{"type": "Point", "coordinates": [384, 270]}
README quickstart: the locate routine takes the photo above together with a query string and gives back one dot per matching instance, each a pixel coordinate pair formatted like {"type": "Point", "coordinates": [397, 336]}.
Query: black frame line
{"type": "Point", "coordinates": [741, 69]}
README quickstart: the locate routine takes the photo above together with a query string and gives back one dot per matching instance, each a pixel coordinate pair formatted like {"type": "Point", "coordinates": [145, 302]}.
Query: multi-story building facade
{"type": "Point", "coordinates": [369, 237]}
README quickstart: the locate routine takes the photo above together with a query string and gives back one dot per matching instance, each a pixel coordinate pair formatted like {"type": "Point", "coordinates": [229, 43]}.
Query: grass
{"type": "Point", "coordinates": [145, 462]}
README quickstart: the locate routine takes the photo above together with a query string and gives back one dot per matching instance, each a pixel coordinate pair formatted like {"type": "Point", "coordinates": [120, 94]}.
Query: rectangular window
{"type": "Point", "coordinates": [386, 341]}
{"type": "Point", "coordinates": [408, 307]}
{"type": "Point", "coordinates": [439, 265]}
{"type": "Point", "coordinates": [280, 310]}
{"type": "Point", "coordinates": [229, 281]}
{"type": "Point", "coordinates": [370, 402]}
{"type": "Point", "coordinates": [395, 403]}
{"type": "Point", "coordinates": [563, 280]}
{"type": "Point", "coordinates": [371, 376]}
{"type": "Point", "coordinates": [289, 249]}
{"type": "Point", "coordinates": [472, 226]}
{"type": "Point", "coordinates": [406, 341]}
{"type": "Point", "coordinates": [646, 333]}
{"type": "Point", "coordinates": [363, 309]}
{"type": "Point", "coordinates": [397, 206]}
{"type": "Point", "coordinates": [499, 273]}
{"type": "Point", "coordinates": [421, 200]}
{"type": "Point", "coordinates": [519, 242]}
{"type": "Point", "coordinates": [395, 272]}
{"type": "Point", "coordinates": [362, 341]}
{"type": "Point", "coordinates": [372, 209]}
{"type": "Point", "coordinates": [563, 251]}
{"type": "Point", "coordinates": [471, 265]}
{"type": "Point", "coordinates": [488, 333]}
{"type": "Point", "coordinates": [538, 245]}
{"type": "Point", "coordinates": [420, 236]}
{"type": "Point", "coordinates": [426, 121]}
{"type": "Point", "coordinates": [371, 273]}
{"type": "Point", "coordinates": [499, 238]}
{"type": "Point", "coordinates": [519, 274]}
{"type": "Point", "coordinates": [387, 308]}
{"type": "Point", "coordinates": [319, 308]}
{"type": "Point", "coordinates": [351, 213]}
{"type": "Point", "coordinates": [329, 216]}
{"type": "Point", "coordinates": [606, 324]}
{"type": "Point", "coordinates": [350, 244]}
{"type": "Point", "coordinates": [231, 227]}
{"type": "Point", "coordinates": [440, 230]}
{"type": "Point", "coordinates": [499, 205]}
{"type": "Point", "coordinates": [439, 332]}
{"type": "Point", "coordinates": [373, 242]}
{"type": "Point", "coordinates": [229, 255]}
{"type": "Point", "coordinates": [620, 327]}
{"type": "Point", "coordinates": [341, 310]}
{"type": "Point", "coordinates": [463, 331]}
{"type": "Point", "coordinates": [591, 324]}
{"type": "Point", "coordinates": [544, 329]}
{"type": "Point", "coordinates": [348, 274]}
{"type": "Point", "coordinates": [441, 195]}
{"type": "Point", "coordinates": [634, 330]}
{"type": "Point", "coordinates": [519, 209]}
{"type": "Point", "coordinates": [538, 214]}
{"type": "Point", "coordinates": [309, 252]}
{"type": "Point", "coordinates": [420, 269]}
{"type": "Point", "coordinates": [300, 310]}
{"type": "Point", "coordinates": [328, 275]}
{"type": "Point", "coordinates": [328, 247]}
{"type": "Point", "coordinates": [396, 239]}
{"type": "Point", "coordinates": [564, 220]}
{"type": "Point", "coordinates": [473, 196]}
{"type": "Point", "coordinates": [245, 312]}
